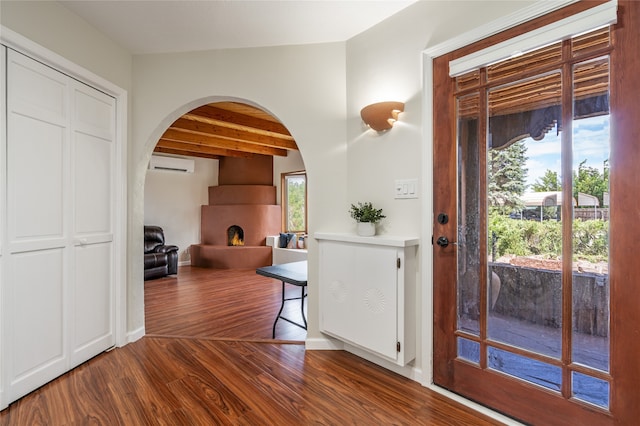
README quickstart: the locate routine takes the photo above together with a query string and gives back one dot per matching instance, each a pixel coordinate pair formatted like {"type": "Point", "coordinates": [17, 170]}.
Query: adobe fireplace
{"type": "Point", "coordinates": [241, 213]}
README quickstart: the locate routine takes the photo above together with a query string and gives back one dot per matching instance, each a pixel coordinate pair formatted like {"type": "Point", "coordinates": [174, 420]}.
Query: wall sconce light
{"type": "Point", "coordinates": [381, 116]}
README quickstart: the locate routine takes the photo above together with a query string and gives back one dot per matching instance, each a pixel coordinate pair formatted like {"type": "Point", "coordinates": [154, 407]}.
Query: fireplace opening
{"type": "Point", "coordinates": [235, 236]}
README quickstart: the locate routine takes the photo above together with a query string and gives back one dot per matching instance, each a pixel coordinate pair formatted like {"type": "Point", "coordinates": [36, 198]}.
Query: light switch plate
{"type": "Point", "coordinates": [406, 188]}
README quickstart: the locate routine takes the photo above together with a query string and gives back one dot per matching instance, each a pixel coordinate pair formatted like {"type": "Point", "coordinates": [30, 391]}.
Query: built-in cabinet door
{"type": "Point", "coordinates": [359, 297]}
{"type": "Point", "coordinates": [58, 296]}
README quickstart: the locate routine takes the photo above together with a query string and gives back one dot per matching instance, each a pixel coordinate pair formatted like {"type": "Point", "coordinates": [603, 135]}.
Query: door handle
{"type": "Point", "coordinates": [443, 241]}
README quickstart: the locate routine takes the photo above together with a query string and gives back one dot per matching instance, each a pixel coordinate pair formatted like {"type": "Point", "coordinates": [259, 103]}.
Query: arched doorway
{"type": "Point", "coordinates": [214, 136]}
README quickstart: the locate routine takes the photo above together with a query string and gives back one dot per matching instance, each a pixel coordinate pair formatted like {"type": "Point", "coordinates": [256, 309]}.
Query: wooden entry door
{"type": "Point", "coordinates": [535, 295]}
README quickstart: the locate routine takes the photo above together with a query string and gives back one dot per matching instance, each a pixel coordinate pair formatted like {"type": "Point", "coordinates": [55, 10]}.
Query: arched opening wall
{"type": "Point", "coordinates": [303, 86]}
{"type": "Point", "coordinates": [173, 200]}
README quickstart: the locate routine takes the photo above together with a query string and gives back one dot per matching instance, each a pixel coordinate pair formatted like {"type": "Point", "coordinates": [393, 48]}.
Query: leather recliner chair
{"type": "Point", "coordinates": [160, 260]}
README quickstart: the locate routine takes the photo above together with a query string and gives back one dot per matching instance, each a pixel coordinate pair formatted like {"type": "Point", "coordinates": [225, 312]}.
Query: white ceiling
{"type": "Point", "coordinates": [152, 26]}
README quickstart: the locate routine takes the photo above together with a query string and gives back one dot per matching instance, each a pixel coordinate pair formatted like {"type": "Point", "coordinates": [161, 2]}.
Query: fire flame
{"type": "Point", "coordinates": [236, 241]}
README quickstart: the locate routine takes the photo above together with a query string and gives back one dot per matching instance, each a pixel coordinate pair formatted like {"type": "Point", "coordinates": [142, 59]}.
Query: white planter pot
{"type": "Point", "coordinates": [366, 229]}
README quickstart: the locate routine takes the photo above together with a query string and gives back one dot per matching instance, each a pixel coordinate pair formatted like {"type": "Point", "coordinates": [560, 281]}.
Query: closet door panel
{"type": "Point", "coordinates": [34, 316]}
{"type": "Point", "coordinates": [93, 314]}
{"type": "Point", "coordinates": [92, 182]}
{"type": "Point", "coordinates": [93, 152]}
{"type": "Point", "coordinates": [36, 307]}
{"type": "Point", "coordinates": [3, 162]}
{"type": "Point", "coordinates": [37, 143]}
{"type": "Point", "coordinates": [37, 90]}
{"type": "Point", "coordinates": [35, 155]}
{"type": "Point", "coordinates": [3, 223]}
{"type": "Point", "coordinates": [93, 112]}
{"type": "Point", "coordinates": [93, 127]}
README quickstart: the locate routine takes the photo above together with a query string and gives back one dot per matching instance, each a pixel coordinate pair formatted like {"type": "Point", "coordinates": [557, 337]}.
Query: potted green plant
{"type": "Point", "coordinates": [367, 217]}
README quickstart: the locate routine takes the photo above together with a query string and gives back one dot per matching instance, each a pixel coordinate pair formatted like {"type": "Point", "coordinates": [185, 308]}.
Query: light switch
{"type": "Point", "coordinates": [406, 188]}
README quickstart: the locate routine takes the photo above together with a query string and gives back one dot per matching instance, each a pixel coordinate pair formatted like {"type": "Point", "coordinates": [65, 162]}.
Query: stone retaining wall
{"type": "Point", "coordinates": [535, 295]}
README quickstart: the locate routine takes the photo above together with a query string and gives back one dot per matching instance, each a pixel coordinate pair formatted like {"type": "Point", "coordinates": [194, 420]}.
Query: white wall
{"type": "Point", "coordinates": [172, 201]}
{"type": "Point", "coordinates": [53, 26]}
{"type": "Point", "coordinates": [385, 64]}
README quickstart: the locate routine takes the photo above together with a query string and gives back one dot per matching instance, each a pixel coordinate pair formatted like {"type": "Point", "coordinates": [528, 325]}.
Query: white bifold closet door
{"type": "Point", "coordinates": [58, 301]}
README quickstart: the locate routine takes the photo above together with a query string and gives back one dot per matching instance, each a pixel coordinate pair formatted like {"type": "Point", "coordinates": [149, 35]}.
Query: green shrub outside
{"type": "Point", "coordinates": [510, 235]}
{"type": "Point", "coordinates": [528, 237]}
{"type": "Point", "coordinates": [591, 239]}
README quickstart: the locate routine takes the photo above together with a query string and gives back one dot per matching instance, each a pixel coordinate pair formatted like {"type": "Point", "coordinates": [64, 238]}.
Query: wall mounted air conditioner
{"type": "Point", "coordinates": [175, 164]}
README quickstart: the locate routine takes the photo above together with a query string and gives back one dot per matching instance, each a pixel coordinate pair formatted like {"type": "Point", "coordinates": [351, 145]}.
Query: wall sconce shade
{"type": "Point", "coordinates": [382, 115]}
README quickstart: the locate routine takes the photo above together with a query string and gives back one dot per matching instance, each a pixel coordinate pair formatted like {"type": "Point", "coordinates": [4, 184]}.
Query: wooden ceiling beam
{"type": "Point", "coordinates": [197, 150]}
{"type": "Point", "coordinates": [222, 115]}
{"type": "Point", "coordinates": [227, 129]}
{"type": "Point", "coordinates": [216, 142]}
{"type": "Point", "coordinates": [222, 131]}
{"type": "Point", "coordinates": [183, 153]}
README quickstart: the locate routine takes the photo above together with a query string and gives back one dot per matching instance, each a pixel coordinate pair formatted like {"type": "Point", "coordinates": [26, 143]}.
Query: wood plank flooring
{"type": "Point", "coordinates": [229, 371]}
{"type": "Point", "coordinates": [234, 304]}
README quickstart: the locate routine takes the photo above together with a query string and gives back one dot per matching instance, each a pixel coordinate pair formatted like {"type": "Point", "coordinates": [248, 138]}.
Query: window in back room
{"type": "Point", "coordinates": [294, 202]}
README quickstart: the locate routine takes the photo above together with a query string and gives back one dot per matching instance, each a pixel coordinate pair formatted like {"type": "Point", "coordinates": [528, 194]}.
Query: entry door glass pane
{"type": "Point", "coordinates": [469, 172]}
{"type": "Point", "coordinates": [525, 226]}
{"type": "Point", "coordinates": [591, 214]}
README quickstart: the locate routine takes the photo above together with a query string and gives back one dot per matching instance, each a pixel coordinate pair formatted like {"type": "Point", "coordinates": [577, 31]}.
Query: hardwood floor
{"type": "Point", "coordinates": [229, 370]}
{"type": "Point", "coordinates": [233, 304]}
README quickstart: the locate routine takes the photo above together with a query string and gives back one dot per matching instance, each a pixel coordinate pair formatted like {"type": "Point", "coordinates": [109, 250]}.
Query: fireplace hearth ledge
{"type": "Point", "coordinates": [230, 257]}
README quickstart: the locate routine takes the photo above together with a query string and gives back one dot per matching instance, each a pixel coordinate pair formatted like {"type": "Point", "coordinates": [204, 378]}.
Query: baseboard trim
{"type": "Point", "coordinates": [134, 335]}
{"type": "Point", "coordinates": [330, 344]}
{"type": "Point", "coordinates": [408, 371]}
{"type": "Point", "coordinates": [323, 344]}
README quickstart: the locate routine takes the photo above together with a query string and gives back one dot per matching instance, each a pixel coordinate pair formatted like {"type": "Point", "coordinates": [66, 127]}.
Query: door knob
{"type": "Point", "coordinates": [443, 241]}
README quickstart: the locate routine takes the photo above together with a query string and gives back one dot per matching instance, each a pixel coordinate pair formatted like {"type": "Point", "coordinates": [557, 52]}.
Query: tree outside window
{"type": "Point", "coordinates": [294, 201]}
